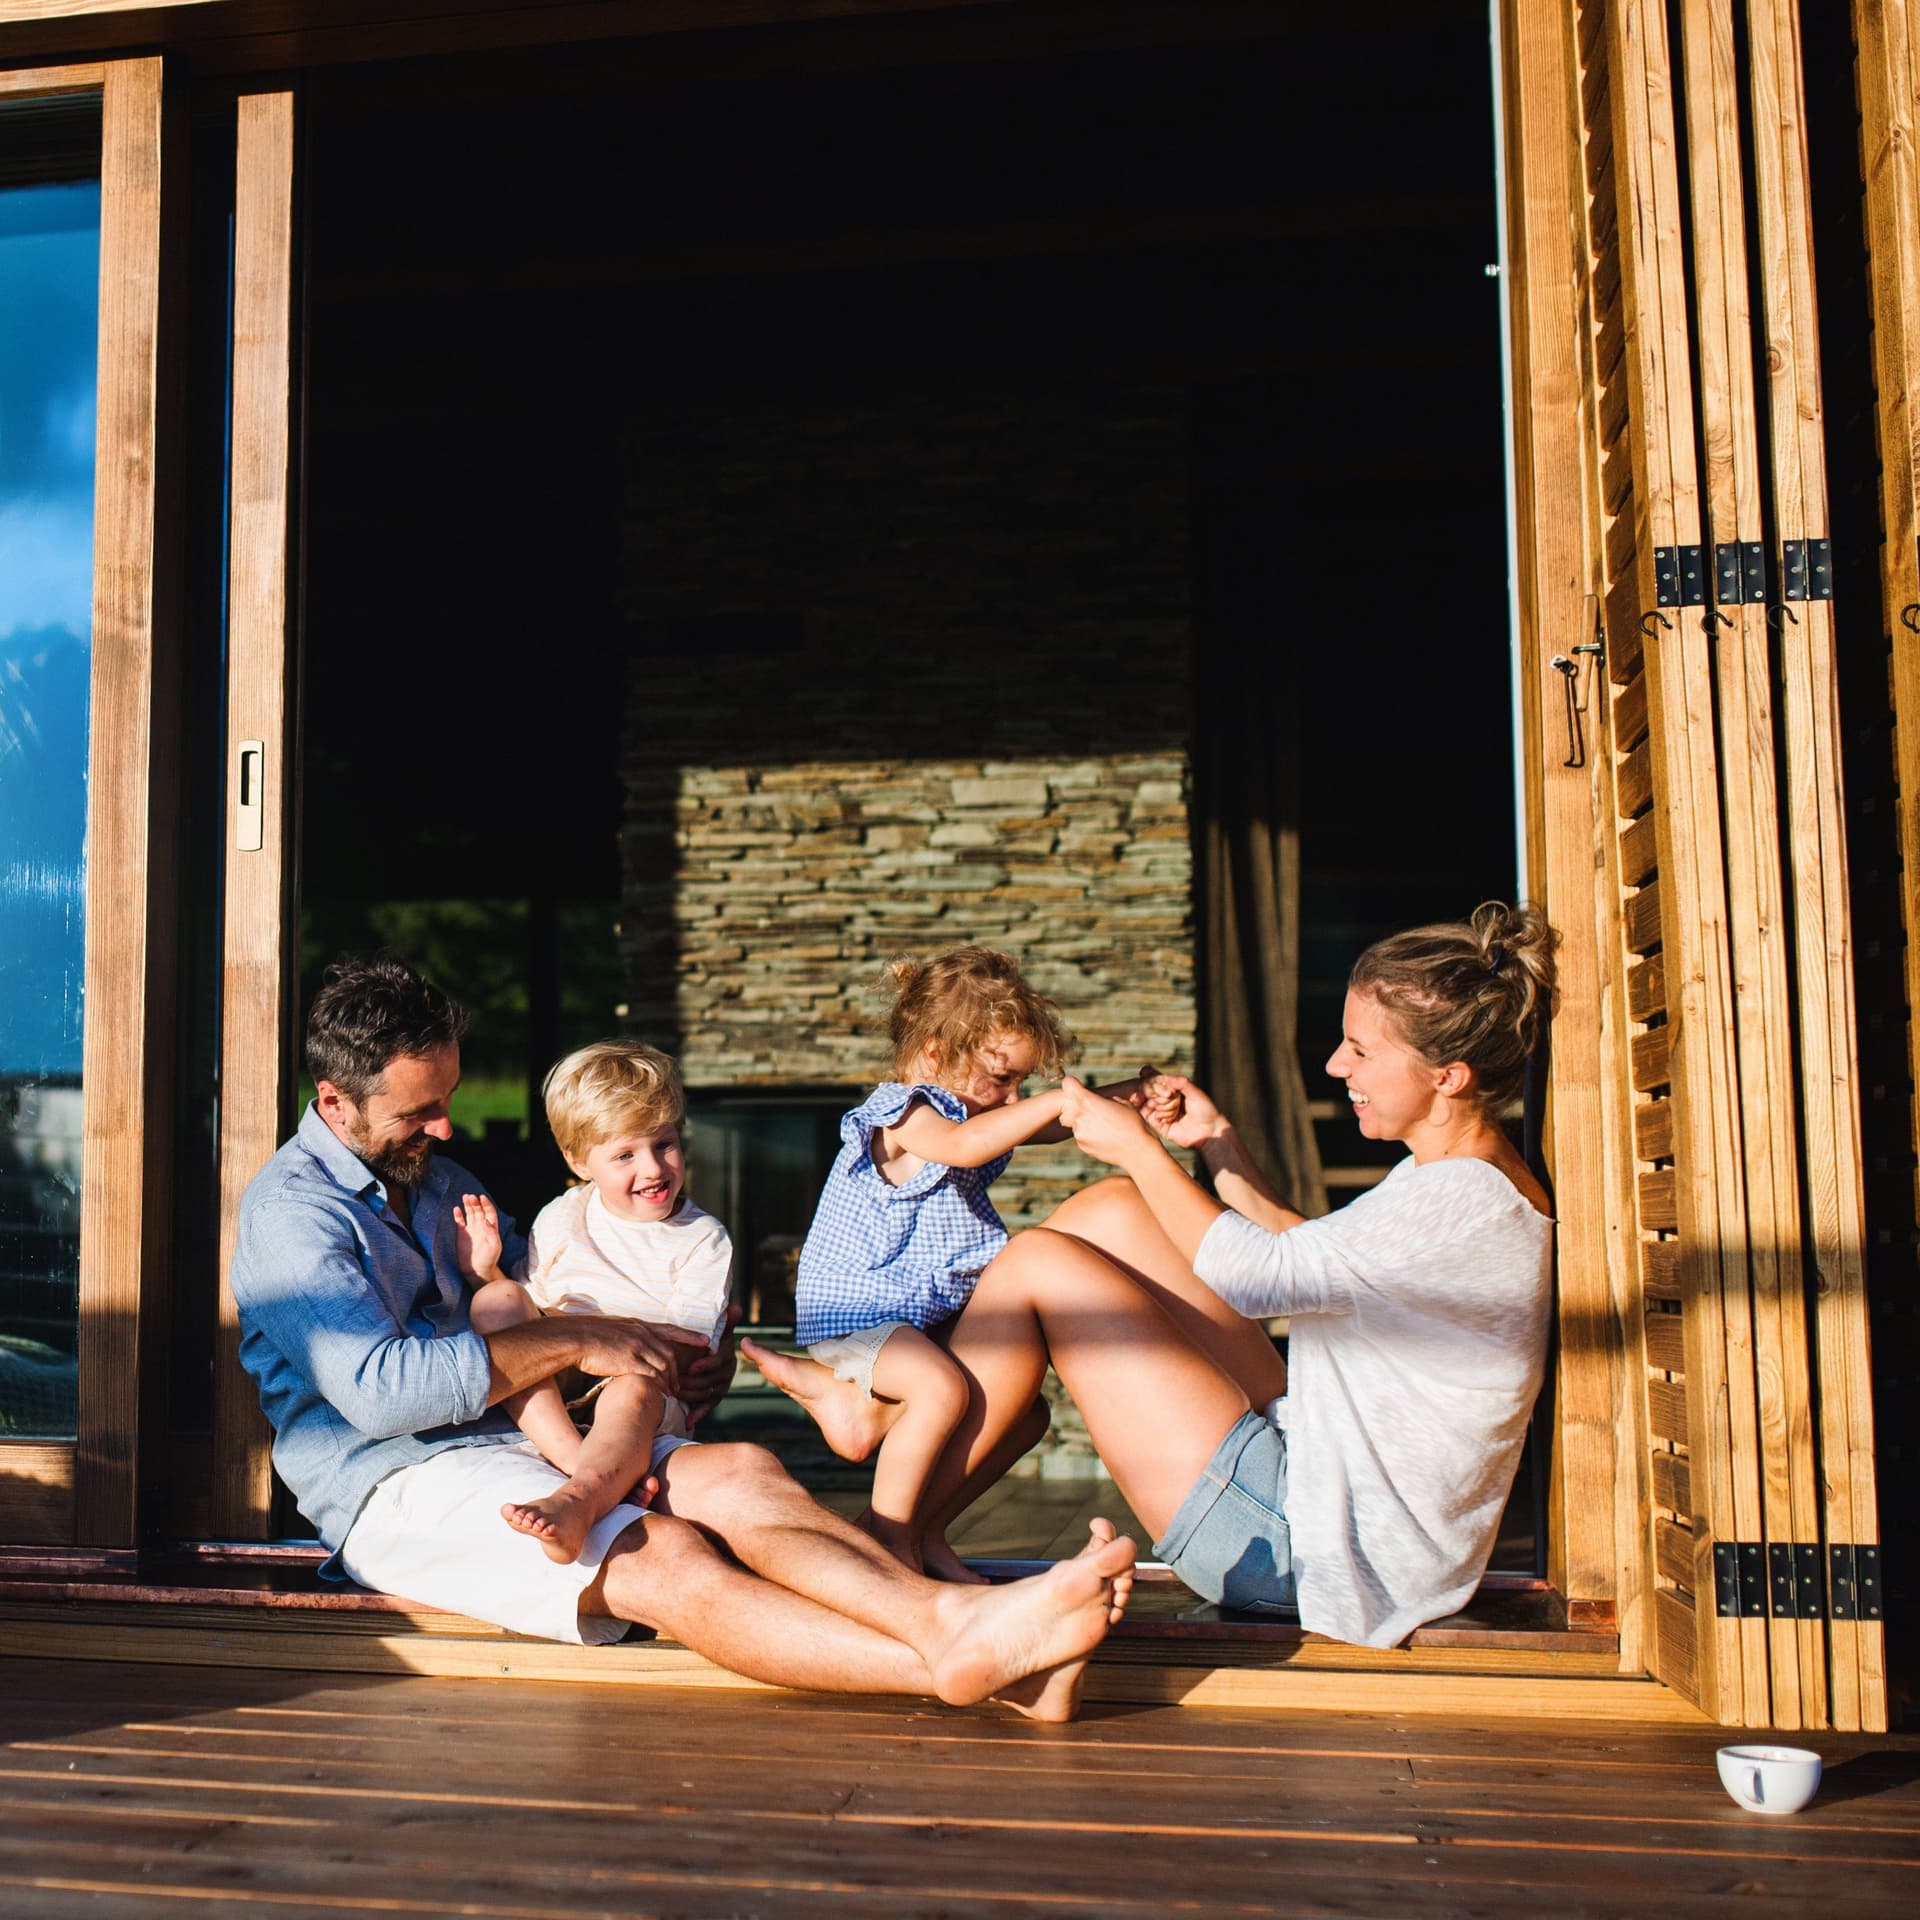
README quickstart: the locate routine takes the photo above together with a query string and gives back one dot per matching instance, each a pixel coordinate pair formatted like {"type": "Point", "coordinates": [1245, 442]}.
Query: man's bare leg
{"type": "Point", "coordinates": [975, 1642]}
{"type": "Point", "coordinates": [613, 1459]}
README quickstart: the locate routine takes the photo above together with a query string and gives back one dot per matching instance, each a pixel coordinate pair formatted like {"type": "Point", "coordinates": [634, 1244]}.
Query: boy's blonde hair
{"type": "Point", "coordinates": [609, 1088]}
{"type": "Point", "coordinates": [958, 1002]}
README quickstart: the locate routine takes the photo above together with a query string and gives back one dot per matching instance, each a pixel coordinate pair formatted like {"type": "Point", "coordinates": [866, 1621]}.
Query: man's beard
{"type": "Point", "coordinates": [399, 1164]}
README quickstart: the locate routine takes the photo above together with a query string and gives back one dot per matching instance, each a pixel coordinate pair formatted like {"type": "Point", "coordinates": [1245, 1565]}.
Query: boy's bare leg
{"type": "Point", "coordinates": [614, 1458]}
{"type": "Point", "coordinates": [539, 1411]}
{"type": "Point", "coordinates": [851, 1422]}
{"type": "Point", "coordinates": [1026, 1642]}
{"type": "Point", "coordinates": [931, 1393]}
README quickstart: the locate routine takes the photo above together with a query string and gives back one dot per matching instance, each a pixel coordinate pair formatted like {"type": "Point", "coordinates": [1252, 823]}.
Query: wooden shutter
{"type": "Point", "coordinates": [1713, 866]}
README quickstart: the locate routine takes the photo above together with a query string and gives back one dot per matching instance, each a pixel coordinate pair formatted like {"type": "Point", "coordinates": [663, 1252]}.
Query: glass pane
{"type": "Point", "coordinates": [49, 315]}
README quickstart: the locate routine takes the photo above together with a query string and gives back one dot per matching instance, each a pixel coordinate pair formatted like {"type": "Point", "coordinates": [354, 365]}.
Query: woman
{"type": "Point", "coordinates": [1366, 1493]}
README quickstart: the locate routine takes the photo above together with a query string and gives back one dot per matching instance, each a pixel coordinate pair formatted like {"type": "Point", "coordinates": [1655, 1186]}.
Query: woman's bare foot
{"type": "Point", "coordinates": [850, 1422]}
{"type": "Point", "coordinates": [560, 1523]}
{"type": "Point", "coordinates": [1005, 1635]}
{"type": "Point", "coordinates": [938, 1561]}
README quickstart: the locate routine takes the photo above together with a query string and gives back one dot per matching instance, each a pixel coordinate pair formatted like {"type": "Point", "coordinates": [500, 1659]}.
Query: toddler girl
{"type": "Point", "coordinates": [904, 1227]}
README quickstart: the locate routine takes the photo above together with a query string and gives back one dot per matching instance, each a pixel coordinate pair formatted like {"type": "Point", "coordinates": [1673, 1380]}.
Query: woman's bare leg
{"type": "Point", "coordinates": [539, 1411]}
{"type": "Point", "coordinates": [1156, 1404]}
{"type": "Point", "coordinates": [1112, 1218]}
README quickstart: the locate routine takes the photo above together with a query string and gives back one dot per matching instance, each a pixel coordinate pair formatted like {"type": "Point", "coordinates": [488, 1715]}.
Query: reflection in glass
{"type": "Point", "coordinates": [49, 317]}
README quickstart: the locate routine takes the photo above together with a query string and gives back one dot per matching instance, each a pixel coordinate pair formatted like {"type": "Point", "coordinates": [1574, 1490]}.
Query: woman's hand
{"type": "Point", "coordinates": [1108, 1130]}
{"type": "Point", "coordinates": [1181, 1114]}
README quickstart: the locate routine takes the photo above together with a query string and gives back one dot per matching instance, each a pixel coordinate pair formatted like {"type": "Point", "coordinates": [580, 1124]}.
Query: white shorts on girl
{"type": "Point", "coordinates": [851, 1355]}
{"type": "Point", "coordinates": [433, 1534]}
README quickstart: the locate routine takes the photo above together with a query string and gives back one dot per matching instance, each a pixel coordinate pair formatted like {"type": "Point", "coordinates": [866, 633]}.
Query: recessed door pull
{"type": "Point", "coordinates": [249, 801]}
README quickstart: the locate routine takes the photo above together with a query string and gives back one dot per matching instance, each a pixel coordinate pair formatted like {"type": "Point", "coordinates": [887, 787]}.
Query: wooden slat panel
{"type": "Point", "coordinates": [253, 1095]}
{"type": "Point", "coordinates": [1597, 1412]}
{"type": "Point", "coordinates": [1633, 788]}
{"type": "Point", "coordinates": [1674, 1630]}
{"type": "Point", "coordinates": [1647, 988]}
{"type": "Point", "coordinates": [1653, 1130]}
{"type": "Point", "coordinates": [1659, 1209]}
{"type": "Point", "coordinates": [1660, 1268]}
{"type": "Point", "coordinates": [1652, 1059]}
{"type": "Point", "coordinates": [1646, 924]}
{"type": "Point", "coordinates": [1763, 1026]}
{"type": "Point", "coordinates": [1630, 715]}
{"type": "Point", "coordinates": [1730, 1674]}
{"type": "Point", "coordinates": [1817, 852]}
{"type": "Point", "coordinates": [1667, 1410]}
{"type": "Point", "coordinates": [1666, 1342]}
{"type": "Point", "coordinates": [36, 1491]}
{"type": "Point", "coordinates": [1673, 1553]}
{"type": "Point", "coordinates": [127, 1048]}
{"type": "Point", "coordinates": [1672, 1488]}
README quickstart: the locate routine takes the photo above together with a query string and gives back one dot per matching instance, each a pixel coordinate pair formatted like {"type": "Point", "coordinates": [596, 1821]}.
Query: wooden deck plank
{"type": "Point", "coordinates": [138, 1790]}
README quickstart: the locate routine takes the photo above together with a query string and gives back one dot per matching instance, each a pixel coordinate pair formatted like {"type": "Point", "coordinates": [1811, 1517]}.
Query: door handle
{"type": "Point", "coordinates": [249, 799]}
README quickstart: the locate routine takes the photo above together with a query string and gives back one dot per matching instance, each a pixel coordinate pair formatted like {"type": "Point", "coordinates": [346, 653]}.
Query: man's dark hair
{"type": "Point", "coordinates": [371, 1011]}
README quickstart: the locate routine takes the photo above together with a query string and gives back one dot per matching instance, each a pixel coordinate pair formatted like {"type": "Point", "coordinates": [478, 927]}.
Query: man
{"type": "Point", "coordinates": [353, 1319]}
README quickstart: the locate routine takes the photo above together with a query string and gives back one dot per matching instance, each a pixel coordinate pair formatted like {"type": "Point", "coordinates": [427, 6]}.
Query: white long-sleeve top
{"type": "Point", "coordinates": [1418, 1339]}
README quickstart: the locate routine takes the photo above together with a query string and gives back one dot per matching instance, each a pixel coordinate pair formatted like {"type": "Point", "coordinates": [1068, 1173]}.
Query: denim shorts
{"type": "Point", "coordinates": [1229, 1540]}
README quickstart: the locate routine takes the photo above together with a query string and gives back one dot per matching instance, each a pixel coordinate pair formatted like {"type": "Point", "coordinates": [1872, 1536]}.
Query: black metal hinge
{"type": "Point", "coordinates": [1806, 570]}
{"type": "Point", "coordinates": [1784, 1581]}
{"type": "Point", "coordinates": [1679, 577]}
{"type": "Point", "coordinates": [1739, 573]}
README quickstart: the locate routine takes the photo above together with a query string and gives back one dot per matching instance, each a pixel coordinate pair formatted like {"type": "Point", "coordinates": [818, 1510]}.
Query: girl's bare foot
{"type": "Point", "coordinates": [895, 1537]}
{"type": "Point", "coordinates": [938, 1561]}
{"type": "Point", "coordinates": [850, 1423]}
{"type": "Point", "coordinates": [559, 1522]}
{"type": "Point", "coordinates": [1005, 1635]}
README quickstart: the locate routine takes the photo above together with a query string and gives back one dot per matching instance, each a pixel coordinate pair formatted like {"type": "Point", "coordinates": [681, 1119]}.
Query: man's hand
{"type": "Point", "coordinates": [476, 1239]}
{"type": "Point", "coordinates": [634, 1346]}
{"type": "Point", "coordinates": [704, 1381]}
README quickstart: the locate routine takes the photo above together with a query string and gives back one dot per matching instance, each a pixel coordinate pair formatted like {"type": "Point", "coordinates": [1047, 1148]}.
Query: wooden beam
{"type": "Point", "coordinates": [127, 1047]}
{"type": "Point", "coordinates": [1829, 1051]}
{"type": "Point", "coordinates": [35, 83]}
{"type": "Point", "coordinates": [255, 971]}
{"type": "Point", "coordinates": [1757, 916]}
{"type": "Point", "coordinates": [1588, 1558]}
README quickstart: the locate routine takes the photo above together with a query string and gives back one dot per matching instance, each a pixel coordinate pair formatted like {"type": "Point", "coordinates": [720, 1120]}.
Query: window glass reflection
{"type": "Point", "coordinates": [49, 315]}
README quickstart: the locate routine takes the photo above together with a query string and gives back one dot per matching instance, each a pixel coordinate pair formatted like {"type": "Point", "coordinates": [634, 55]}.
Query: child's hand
{"type": "Point", "coordinates": [1159, 1099]}
{"type": "Point", "coordinates": [1180, 1113]}
{"type": "Point", "coordinates": [476, 1238]}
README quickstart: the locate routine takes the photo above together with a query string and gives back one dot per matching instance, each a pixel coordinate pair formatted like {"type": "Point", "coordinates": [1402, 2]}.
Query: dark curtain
{"type": "Point", "coordinates": [1246, 780]}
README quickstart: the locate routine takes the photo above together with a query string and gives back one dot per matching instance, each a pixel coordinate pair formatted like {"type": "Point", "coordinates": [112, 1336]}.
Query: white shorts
{"type": "Point", "coordinates": [851, 1355]}
{"type": "Point", "coordinates": [432, 1533]}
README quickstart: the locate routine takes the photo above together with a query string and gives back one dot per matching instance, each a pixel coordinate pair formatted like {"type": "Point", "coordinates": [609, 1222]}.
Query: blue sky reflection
{"type": "Point", "coordinates": [49, 325]}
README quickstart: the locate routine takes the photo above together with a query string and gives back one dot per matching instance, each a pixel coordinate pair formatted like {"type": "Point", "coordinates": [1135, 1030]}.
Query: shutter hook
{"type": "Point", "coordinates": [1654, 615]}
{"type": "Point", "coordinates": [1910, 616]}
{"type": "Point", "coordinates": [1773, 620]}
{"type": "Point", "coordinates": [1712, 615]}
{"type": "Point", "coordinates": [1576, 742]}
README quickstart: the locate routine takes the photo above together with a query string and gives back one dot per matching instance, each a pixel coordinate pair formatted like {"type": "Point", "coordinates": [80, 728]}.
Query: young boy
{"type": "Point", "coordinates": [626, 1243]}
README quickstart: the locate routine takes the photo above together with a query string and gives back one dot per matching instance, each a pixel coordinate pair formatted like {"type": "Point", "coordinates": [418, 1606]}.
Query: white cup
{"type": "Point", "coordinates": [1770, 1779]}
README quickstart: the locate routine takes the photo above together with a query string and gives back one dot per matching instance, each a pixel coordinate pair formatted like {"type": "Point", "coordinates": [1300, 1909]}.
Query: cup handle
{"type": "Point", "coordinates": [1759, 1798]}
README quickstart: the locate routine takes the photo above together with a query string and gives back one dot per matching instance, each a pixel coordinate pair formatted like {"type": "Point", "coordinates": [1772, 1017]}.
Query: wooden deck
{"type": "Point", "coordinates": [134, 1791]}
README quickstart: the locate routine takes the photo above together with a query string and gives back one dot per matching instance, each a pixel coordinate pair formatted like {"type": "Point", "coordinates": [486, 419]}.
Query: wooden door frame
{"type": "Point", "coordinates": [86, 1492]}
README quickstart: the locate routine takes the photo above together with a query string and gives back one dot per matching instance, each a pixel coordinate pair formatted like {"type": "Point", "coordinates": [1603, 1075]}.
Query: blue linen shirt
{"type": "Point", "coordinates": [355, 1326]}
{"type": "Point", "coordinates": [877, 1252]}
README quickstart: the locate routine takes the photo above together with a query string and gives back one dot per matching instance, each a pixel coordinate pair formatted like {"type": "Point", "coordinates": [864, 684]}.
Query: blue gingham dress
{"type": "Point", "coordinates": [877, 1253]}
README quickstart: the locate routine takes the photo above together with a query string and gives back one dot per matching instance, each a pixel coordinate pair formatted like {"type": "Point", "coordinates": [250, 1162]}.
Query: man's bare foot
{"type": "Point", "coordinates": [1004, 1635]}
{"type": "Point", "coordinates": [850, 1422]}
{"type": "Point", "coordinates": [938, 1561]}
{"type": "Point", "coordinates": [559, 1522]}
{"type": "Point", "coordinates": [1102, 1529]}
{"type": "Point", "coordinates": [1052, 1697]}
